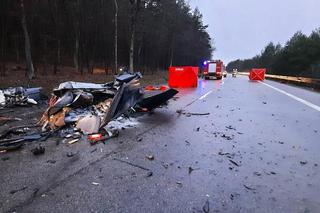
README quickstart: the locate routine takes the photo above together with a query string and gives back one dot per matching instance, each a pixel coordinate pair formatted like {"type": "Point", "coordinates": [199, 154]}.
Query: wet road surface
{"type": "Point", "coordinates": [257, 151]}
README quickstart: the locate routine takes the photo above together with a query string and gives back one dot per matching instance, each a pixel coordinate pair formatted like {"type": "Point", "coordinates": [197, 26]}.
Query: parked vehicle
{"type": "Point", "coordinates": [225, 74]}
{"type": "Point", "coordinates": [213, 69]}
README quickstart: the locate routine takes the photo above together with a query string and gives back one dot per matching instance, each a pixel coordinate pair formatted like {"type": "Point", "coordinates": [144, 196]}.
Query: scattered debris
{"type": "Point", "coordinates": [18, 190]}
{"type": "Point", "coordinates": [73, 141]}
{"type": "Point", "coordinates": [190, 169]}
{"type": "Point", "coordinates": [95, 183]}
{"type": "Point", "coordinates": [150, 157]}
{"type": "Point", "coordinates": [96, 138]}
{"type": "Point", "coordinates": [71, 154]}
{"type": "Point", "coordinates": [249, 188]}
{"type": "Point", "coordinates": [230, 127]}
{"type": "Point", "coordinates": [234, 163]}
{"type": "Point", "coordinates": [303, 162]}
{"type": "Point", "coordinates": [257, 173]}
{"type": "Point", "coordinates": [227, 137]}
{"type": "Point", "coordinates": [165, 165]}
{"type": "Point", "coordinates": [189, 114]}
{"type": "Point", "coordinates": [149, 173]}
{"type": "Point", "coordinates": [4, 120]}
{"type": "Point", "coordinates": [179, 183]}
{"type": "Point", "coordinates": [39, 150]}
{"type": "Point", "coordinates": [19, 96]}
{"type": "Point", "coordinates": [206, 207]}
{"type": "Point", "coordinates": [131, 164]}
{"type": "Point", "coordinates": [51, 161]}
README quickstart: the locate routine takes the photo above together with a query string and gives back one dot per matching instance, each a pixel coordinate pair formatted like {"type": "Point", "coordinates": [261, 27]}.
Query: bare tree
{"type": "Point", "coordinates": [27, 44]}
{"type": "Point", "coordinates": [135, 7]}
{"type": "Point", "coordinates": [116, 37]}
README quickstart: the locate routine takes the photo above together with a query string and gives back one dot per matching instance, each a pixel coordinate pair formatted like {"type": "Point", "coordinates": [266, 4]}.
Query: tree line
{"type": "Point", "coordinates": [300, 56]}
{"type": "Point", "coordinates": [143, 35]}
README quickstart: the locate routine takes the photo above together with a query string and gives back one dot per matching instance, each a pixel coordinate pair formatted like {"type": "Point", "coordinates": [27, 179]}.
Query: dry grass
{"type": "Point", "coordinates": [16, 77]}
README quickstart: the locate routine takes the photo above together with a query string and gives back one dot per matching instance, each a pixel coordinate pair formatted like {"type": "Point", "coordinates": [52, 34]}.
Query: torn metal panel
{"type": "Point", "coordinates": [127, 77]}
{"type": "Point", "coordinates": [154, 99]}
{"type": "Point", "coordinates": [71, 85]}
{"type": "Point", "coordinates": [63, 101]}
{"type": "Point", "coordinates": [127, 96]}
{"type": "Point", "coordinates": [82, 99]}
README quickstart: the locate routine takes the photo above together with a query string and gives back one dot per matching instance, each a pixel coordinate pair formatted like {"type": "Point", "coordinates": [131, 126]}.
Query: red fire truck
{"type": "Point", "coordinates": [213, 69]}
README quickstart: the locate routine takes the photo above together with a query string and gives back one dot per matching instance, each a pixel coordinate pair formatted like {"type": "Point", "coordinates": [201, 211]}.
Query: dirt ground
{"type": "Point", "coordinates": [15, 76]}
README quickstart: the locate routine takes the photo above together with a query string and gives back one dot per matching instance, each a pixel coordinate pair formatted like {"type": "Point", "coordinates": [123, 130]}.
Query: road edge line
{"type": "Point", "coordinates": [307, 103]}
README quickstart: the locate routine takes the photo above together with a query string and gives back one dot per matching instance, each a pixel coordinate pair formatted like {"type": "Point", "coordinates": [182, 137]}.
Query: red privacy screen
{"type": "Point", "coordinates": [183, 76]}
{"type": "Point", "coordinates": [257, 74]}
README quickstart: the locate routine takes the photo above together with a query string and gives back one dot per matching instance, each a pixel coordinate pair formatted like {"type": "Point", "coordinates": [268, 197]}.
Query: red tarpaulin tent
{"type": "Point", "coordinates": [183, 76]}
{"type": "Point", "coordinates": [257, 74]}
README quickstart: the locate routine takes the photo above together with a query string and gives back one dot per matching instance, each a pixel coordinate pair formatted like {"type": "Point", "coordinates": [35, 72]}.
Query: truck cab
{"type": "Point", "coordinates": [213, 69]}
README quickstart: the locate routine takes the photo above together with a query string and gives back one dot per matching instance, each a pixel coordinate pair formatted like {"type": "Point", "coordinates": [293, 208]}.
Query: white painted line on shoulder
{"type": "Point", "coordinates": [205, 95]}
{"type": "Point", "coordinates": [311, 105]}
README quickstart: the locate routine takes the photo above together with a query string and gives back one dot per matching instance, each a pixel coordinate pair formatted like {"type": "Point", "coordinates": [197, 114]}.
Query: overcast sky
{"type": "Point", "coordinates": [242, 28]}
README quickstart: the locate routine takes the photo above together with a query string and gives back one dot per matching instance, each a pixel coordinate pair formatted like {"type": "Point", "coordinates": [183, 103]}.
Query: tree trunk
{"type": "Point", "coordinates": [30, 67]}
{"type": "Point", "coordinates": [45, 51]}
{"type": "Point", "coordinates": [76, 53]}
{"type": "Point", "coordinates": [3, 44]}
{"type": "Point", "coordinates": [132, 48]}
{"type": "Point", "coordinates": [134, 14]}
{"type": "Point", "coordinates": [58, 57]}
{"type": "Point", "coordinates": [116, 37]}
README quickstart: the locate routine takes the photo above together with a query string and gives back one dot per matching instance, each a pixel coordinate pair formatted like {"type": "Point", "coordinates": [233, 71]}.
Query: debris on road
{"type": "Point", "coordinates": [189, 114]}
{"type": "Point", "coordinates": [76, 109]}
{"type": "Point", "coordinates": [4, 120]}
{"type": "Point", "coordinates": [131, 164]}
{"type": "Point", "coordinates": [303, 162]}
{"type": "Point", "coordinates": [19, 96]}
{"type": "Point", "coordinates": [234, 163]}
{"type": "Point", "coordinates": [190, 169]}
{"type": "Point", "coordinates": [71, 154]}
{"type": "Point", "coordinates": [73, 141]}
{"type": "Point", "coordinates": [18, 190]}
{"type": "Point", "coordinates": [95, 183]}
{"type": "Point", "coordinates": [39, 150]}
{"type": "Point", "coordinates": [227, 137]}
{"type": "Point", "coordinates": [249, 188]}
{"type": "Point", "coordinates": [206, 207]}
{"type": "Point", "coordinates": [150, 157]}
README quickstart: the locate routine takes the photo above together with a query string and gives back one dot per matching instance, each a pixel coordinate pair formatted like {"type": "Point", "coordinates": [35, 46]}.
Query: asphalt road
{"type": "Point", "coordinates": [257, 151]}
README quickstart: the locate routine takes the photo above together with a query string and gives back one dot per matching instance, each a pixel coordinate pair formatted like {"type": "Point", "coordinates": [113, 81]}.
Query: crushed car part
{"type": "Point", "coordinates": [89, 124]}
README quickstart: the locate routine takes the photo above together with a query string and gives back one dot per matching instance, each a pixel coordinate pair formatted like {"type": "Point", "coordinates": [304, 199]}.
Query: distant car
{"type": "Point", "coordinates": [213, 69]}
{"type": "Point", "coordinates": [225, 74]}
{"type": "Point", "coordinates": [234, 73]}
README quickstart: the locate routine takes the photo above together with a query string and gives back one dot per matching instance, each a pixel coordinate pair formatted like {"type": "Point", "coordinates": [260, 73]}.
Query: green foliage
{"type": "Point", "coordinates": [299, 57]}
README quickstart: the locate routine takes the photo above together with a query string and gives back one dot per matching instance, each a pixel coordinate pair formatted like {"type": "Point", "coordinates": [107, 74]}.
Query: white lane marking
{"type": "Point", "coordinates": [205, 95]}
{"type": "Point", "coordinates": [313, 106]}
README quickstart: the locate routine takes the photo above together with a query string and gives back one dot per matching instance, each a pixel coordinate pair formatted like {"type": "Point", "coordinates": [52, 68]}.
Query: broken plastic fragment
{"type": "Point", "coordinates": [89, 124]}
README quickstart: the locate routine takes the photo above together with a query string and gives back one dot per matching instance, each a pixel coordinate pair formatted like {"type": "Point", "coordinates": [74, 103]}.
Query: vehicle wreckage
{"type": "Point", "coordinates": [77, 108]}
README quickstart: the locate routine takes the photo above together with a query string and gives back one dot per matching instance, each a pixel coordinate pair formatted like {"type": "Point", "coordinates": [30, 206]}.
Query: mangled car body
{"type": "Point", "coordinates": [90, 107]}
